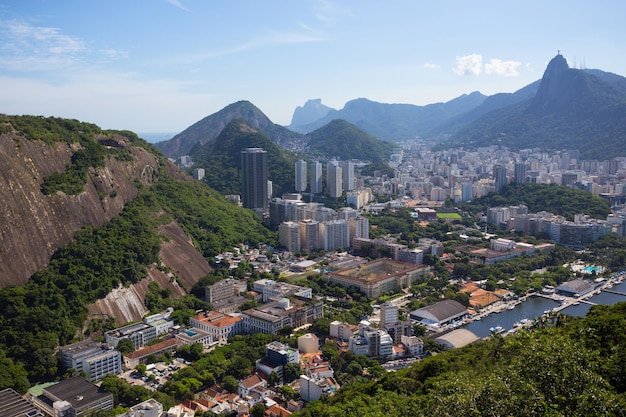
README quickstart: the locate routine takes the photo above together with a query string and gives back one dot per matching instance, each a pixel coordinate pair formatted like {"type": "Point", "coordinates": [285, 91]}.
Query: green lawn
{"type": "Point", "coordinates": [454, 216]}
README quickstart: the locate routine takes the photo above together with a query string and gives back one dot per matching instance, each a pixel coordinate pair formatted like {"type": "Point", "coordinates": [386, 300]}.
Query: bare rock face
{"type": "Point", "coordinates": [126, 304]}
{"type": "Point", "coordinates": [185, 263]}
{"type": "Point", "coordinates": [181, 256]}
{"type": "Point", "coordinates": [33, 225]}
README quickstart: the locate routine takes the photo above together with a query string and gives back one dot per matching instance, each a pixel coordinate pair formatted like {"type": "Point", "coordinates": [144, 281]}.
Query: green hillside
{"type": "Point", "coordinates": [48, 311]}
{"type": "Point", "coordinates": [552, 198]}
{"type": "Point", "coordinates": [221, 159]}
{"type": "Point", "coordinates": [340, 139]}
{"type": "Point", "coordinates": [575, 368]}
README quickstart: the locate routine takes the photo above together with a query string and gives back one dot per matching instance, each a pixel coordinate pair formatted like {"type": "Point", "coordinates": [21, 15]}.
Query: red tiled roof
{"type": "Point", "coordinates": [149, 350]}
{"type": "Point", "coordinates": [277, 411]}
{"type": "Point", "coordinates": [251, 381]}
{"type": "Point", "coordinates": [217, 319]}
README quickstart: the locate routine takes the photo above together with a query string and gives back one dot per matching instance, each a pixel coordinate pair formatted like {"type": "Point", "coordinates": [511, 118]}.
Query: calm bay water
{"type": "Point", "coordinates": [534, 307]}
{"type": "Point", "coordinates": [530, 309]}
{"type": "Point", "coordinates": [604, 298]}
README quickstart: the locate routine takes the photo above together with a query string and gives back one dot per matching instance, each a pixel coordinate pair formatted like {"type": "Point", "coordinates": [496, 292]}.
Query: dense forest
{"type": "Point", "coordinates": [553, 198]}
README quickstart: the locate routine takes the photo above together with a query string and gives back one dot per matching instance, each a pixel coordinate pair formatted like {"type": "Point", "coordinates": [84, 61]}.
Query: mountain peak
{"type": "Point", "coordinates": [557, 65]}
{"type": "Point", "coordinates": [553, 93]}
{"type": "Point", "coordinates": [312, 110]}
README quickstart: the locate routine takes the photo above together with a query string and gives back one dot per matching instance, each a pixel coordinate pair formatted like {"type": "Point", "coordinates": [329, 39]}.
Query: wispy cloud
{"type": "Point", "coordinates": [473, 65]}
{"type": "Point", "coordinates": [504, 68]}
{"type": "Point", "coordinates": [430, 65]}
{"type": "Point", "coordinates": [265, 40]}
{"type": "Point", "coordinates": [178, 4]}
{"type": "Point", "coordinates": [329, 13]}
{"type": "Point", "coordinates": [469, 64]}
{"type": "Point", "coordinates": [27, 48]}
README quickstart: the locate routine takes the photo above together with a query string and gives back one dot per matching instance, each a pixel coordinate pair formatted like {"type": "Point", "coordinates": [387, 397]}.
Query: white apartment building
{"type": "Point", "coordinates": [95, 359]}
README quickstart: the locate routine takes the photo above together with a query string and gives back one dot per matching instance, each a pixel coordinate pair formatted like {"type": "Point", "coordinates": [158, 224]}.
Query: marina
{"type": "Point", "coordinates": [507, 318]}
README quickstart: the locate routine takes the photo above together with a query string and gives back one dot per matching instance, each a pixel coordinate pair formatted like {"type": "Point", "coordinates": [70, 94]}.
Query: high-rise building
{"type": "Point", "coordinates": [336, 234]}
{"type": "Point", "coordinates": [316, 177]}
{"type": "Point", "coordinates": [289, 236]}
{"type": "Point", "coordinates": [353, 199]}
{"type": "Point", "coordinates": [467, 191]}
{"type": "Point", "coordinates": [310, 235]}
{"type": "Point", "coordinates": [301, 178]}
{"type": "Point", "coordinates": [254, 179]}
{"type": "Point", "coordinates": [359, 228]}
{"type": "Point", "coordinates": [499, 177]}
{"type": "Point", "coordinates": [334, 179]}
{"type": "Point", "coordinates": [388, 314]}
{"type": "Point", "coordinates": [348, 175]}
{"type": "Point", "coordinates": [198, 173]}
{"type": "Point", "coordinates": [520, 173]}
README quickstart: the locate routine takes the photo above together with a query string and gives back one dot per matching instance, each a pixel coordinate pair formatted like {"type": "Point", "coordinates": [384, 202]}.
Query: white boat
{"type": "Point", "coordinates": [496, 329]}
{"type": "Point", "coordinates": [511, 307]}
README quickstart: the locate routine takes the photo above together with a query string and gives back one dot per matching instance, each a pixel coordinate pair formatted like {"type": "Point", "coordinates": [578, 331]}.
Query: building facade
{"type": "Point", "coordinates": [95, 359]}
{"type": "Point", "coordinates": [334, 179]}
{"type": "Point", "coordinates": [316, 177]}
{"type": "Point", "coordinates": [301, 177]}
{"type": "Point", "coordinates": [254, 188]}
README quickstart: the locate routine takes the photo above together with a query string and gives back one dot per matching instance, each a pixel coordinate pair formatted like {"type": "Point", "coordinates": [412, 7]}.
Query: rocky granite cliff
{"type": "Point", "coordinates": [34, 225]}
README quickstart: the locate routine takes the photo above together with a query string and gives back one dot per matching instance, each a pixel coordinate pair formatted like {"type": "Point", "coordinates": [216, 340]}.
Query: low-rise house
{"type": "Point", "coordinates": [133, 359]}
{"type": "Point", "coordinates": [246, 385]}
{"type": "Point", "coordinates": [413, 344]}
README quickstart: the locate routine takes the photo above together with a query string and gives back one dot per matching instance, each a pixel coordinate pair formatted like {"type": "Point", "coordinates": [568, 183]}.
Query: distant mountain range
{"type": "Point", "coordinates": [567, 109]}
{"type": "Point", "coordinates": [395, 122]}
{"type": "Point", "coordinates": [571, 109]}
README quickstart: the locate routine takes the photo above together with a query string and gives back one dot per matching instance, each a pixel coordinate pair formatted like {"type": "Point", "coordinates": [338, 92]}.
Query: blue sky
{"type": "Point", "coordinates": [162, 65]}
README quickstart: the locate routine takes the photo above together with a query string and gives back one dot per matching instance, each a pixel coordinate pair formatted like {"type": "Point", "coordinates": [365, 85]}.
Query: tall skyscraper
{"type": "Point", "coordinates": [499, 176]}
{"type": "Point", "coordinates": [301, 175]}
{"type": "Point", "coordinates": [467, 191]}
{"type": "Point", "coordinates": [334, 179]}
{"type": "Point", "coordinates": [254, 188]}
{"type": "Point", "coordinates": [520, 173]}
{"type": "Point", "coordinates": [348, 175]}
{"type": "Point", "coordinates": [316, 177]}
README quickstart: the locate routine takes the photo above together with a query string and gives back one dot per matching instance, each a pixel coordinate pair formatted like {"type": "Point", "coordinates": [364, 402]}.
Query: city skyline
{"type": "Point", "coordinates": [160, 66]}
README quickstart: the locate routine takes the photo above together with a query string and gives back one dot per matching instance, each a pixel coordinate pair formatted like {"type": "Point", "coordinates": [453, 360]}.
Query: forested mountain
{"type": "Point", "coordinates": [221, 159]}
{"type": "Point", "coordinates": [207, 129]}
{"type": "Point", "coordinates": [343, 140]}
{"type": "Point", "coordinates": [87, 211]}
{"type": "Point", "coordinates": [572, 109]}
